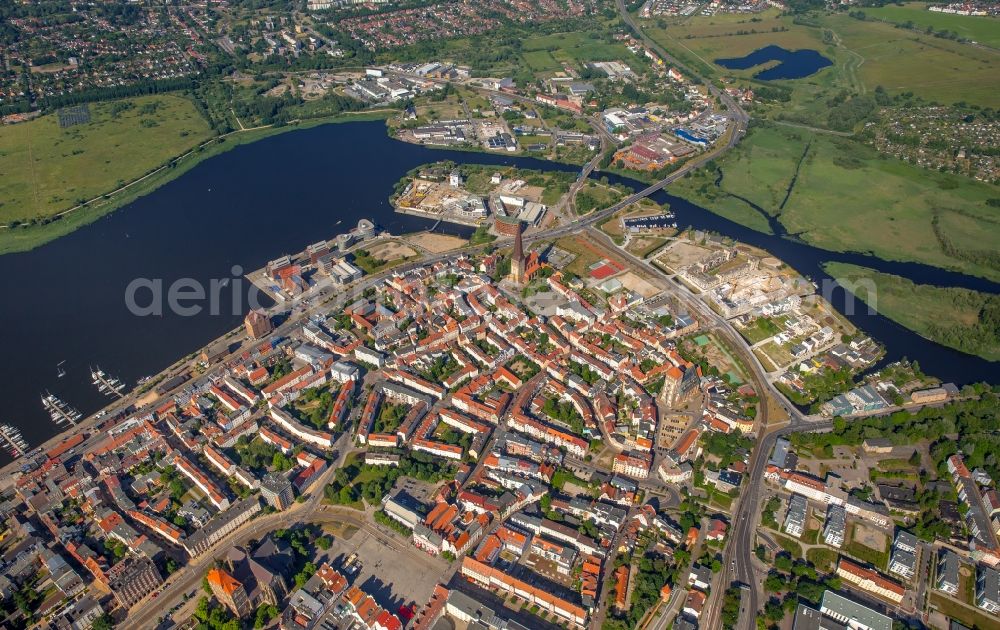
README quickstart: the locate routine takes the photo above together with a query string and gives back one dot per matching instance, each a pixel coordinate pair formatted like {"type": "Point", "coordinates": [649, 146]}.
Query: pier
{"type": "Point", "coordinates": [60, 411]}
{"type": "Point", "coordinates": [12, 441]}
{"type": "Point", "coordinates": [106, 384]}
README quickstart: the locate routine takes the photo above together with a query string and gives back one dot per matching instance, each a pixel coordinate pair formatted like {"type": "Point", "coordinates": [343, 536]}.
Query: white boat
{"type": "Point", "coordinates": [107, 384]}
{"type": "Point", "coordinates": [60, 411]}
{"type": "Point", "coordinates": [12, 441]}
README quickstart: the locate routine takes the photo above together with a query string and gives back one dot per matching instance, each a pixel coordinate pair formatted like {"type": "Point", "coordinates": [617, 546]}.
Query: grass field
{"type": "Point", "coordinates": [866, 54]}
{"type": "Point", "coordinates": [787, 544]}
{"type": "Point", "coordinates": [936, 69]}
{"type": "Point", "coordinates": [920, 307]}
{"type": "Point", "coordinates": [547, 53]}
{"type": "Point", "coordinates": [983, 30]}
{"type": "Point", "coordinates": [28, 237]}
{"type": "Point", "coordinates": [825, 560]}
{"type": "Point", "coordinates": [965, 614]}
{"type": "Point", "coordinates": [45, 169]}
{"type": "Point", "coordinates": [848, 198]}
{"type": "Point", "coordinates": [541, 61]}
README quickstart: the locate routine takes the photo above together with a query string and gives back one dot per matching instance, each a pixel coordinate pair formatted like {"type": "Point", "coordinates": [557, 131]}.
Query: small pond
{"type": "Point", "coordinates": [793, 64]}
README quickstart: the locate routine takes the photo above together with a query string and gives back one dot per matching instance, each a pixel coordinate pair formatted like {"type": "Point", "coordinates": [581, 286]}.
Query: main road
{"type": "Point", "coordinates": [190, 576]}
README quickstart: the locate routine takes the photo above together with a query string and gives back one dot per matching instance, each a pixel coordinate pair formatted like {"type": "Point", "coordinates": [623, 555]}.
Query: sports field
{"type": "Point", "coordinates": [980, 29]}
{"type": "Point", "coordinates": [848, 198]}
{"type": "Point", "coordinates": [45, 169]}
{"type": "Point", "coordinates": [970, 324]}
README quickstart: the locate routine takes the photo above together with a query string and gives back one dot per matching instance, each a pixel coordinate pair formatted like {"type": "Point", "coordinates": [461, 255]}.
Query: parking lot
{"type": "Point", "coordinates": [388, 568]}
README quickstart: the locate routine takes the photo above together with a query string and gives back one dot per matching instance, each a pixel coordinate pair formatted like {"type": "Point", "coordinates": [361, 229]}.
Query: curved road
{"type": "Point", "coordinates": [189, 577]}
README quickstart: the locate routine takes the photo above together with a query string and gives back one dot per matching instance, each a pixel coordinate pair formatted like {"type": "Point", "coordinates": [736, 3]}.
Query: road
{"type": "Point", "coordinates": [736, 113]}
{"type": "Point", "coordinates": [739, 547]}
{"type": "Point", "coordinates": [189, 577]}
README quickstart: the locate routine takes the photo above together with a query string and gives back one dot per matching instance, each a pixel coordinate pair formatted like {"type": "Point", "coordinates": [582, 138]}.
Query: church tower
{"type": "Point", "coordinates": [517, 261]}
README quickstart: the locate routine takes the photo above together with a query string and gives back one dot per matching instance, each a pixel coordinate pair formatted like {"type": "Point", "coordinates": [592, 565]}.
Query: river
{"type": "Point", "coordinates": [65, 301]}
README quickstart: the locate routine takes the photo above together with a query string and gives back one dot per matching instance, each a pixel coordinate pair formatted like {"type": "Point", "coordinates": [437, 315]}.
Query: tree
{"type": "Point", "coordinates": [201, 610]}
{"type": "Point", "coordinates": [775, 583]}
{"type": "Point", "coordinates": [265, 613]}
{"type": "Point", "coordinates": [103, 622]}
{"type": "Point", "coordinates": [783, 561]}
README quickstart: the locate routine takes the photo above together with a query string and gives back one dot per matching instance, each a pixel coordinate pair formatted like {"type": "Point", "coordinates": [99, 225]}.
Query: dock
{"type": "Point", "coordinates": [12, 441]}
{"type": "Point", "coordinates": [60, 411]}
{"type": "Point", "coordinates": [107, 384]}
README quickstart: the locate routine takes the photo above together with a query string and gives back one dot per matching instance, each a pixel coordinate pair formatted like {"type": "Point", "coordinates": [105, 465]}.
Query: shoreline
{"type": "Point", "coordinates": [22, 239]}
{"type": "Point", "coordinates": [89, 422]}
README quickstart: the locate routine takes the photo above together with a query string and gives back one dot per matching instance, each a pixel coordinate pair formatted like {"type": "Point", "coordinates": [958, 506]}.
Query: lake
{"type": "Point", "coordinates": [65, 300]}
{"type": "Point", "coordinates": [793, 64]}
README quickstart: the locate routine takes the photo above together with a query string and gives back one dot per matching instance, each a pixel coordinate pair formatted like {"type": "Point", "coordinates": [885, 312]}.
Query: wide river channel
{"type": "Point", "coordinates": [64, 303]}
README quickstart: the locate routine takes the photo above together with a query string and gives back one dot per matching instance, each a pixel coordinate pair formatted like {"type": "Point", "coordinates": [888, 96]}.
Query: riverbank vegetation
{"type": "Point", "coordinates": [838, 194]}
{"type": "Point", "coordinates": [46, 168]}
{"type": "Point", "coordinates": [28, 234]}
{"type": "Point", "coordinates": [971, 324]}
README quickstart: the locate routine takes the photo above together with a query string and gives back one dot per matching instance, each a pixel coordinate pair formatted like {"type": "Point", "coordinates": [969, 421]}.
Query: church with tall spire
{"type": "Point", "coordinates": [517, 260]}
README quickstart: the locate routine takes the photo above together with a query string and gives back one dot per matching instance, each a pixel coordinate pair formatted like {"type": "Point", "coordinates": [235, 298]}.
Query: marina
{"type": "Point", "coordinates": [12, 440]}
{"type": "Point", "coordinates": [59, 410]}
{"type": "Point", "coordinates": [649, 223]}
{"type": "Point", "coordinates": [107, 384]}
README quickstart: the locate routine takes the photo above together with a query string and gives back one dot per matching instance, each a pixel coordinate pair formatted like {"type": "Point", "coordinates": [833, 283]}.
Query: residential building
{"type": "Point", "coordinates": [634, 465]}
{"type": "Point", "coordinates": [988, 589]}
{"type": "Point", "coordinates": [277, 490]}
{"type": "Point", "coordinates": [694, 604]}
{"type": "Point", "coordinates": [904, 555]}
{"type": "Point", "coordinates": [132, 579]}
{"type": "Point", "coordinates": [499, 580]}
{"type": "Point", "coordinates": [795, 519]}
{"type": "Point", "coordinates": [870, 580]}
{"type": "Point", "coordinates": [700, 577]}
{"type": "Point", "coordinates": [220, 525]}
{"type": "Point", "coordinates": [836, 524]}
{"type": "Point", "coordinates": [947, 571]}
